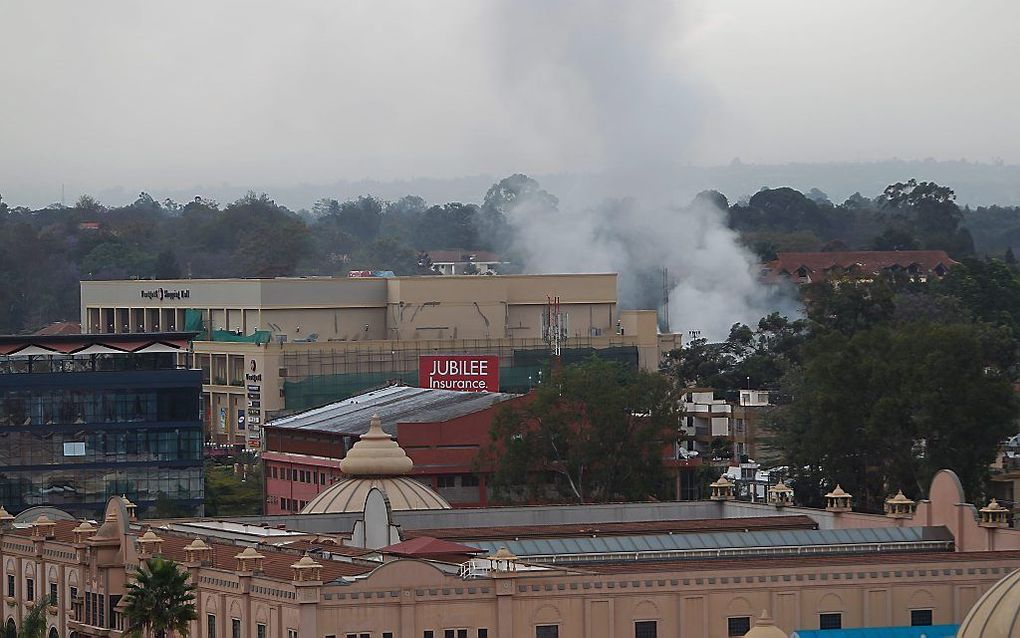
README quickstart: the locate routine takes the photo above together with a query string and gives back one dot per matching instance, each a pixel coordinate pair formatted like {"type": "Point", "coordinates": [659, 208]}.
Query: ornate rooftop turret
{"type": "Point", "coordinates": [249, 561]}
{"type": "Point", "coordinates": [376, 454]}
{"type": "Point", "coordinates": [503, 560]}
{"type": "Point", "coordinates": [197, 552]}
{"type": "Point", "coordinates": [306, 570]}
{"type": "Point", "coordinates": [43, 527]}
{"type": "Point", "coordinates": [149, 544]}
{"type": "Point", "coordinates": [722, 489]}
{"type": "Point", "coordinates": [994, 515]}
{"type": "Point", "coordinates": [6, 518]}
{"type": "Point", "coordinates": [899, 506]}
{"type": "Point", "coordinates": [780, 495]}
{"type": "Point", "coordinates": [837, 500]}
{"type": "Point", "coordinates": [84, 530]}
{"type": "Point", "coordinates": [132, 509]}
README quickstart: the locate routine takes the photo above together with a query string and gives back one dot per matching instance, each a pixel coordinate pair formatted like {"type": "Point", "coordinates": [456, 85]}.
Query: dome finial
{"type": "Point", "coordinates": [376, 454]}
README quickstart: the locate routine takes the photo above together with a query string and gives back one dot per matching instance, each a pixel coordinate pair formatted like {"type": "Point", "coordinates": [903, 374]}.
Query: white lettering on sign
{"type": "Point", "coordinates": [464, 368]}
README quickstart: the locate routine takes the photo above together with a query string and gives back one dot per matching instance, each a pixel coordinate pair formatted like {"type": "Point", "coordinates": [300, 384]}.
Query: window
{"type": "Point", "coordinates": [428, 633]}
{"type": "Point", "coordinates": [260, 630]}
{"type": "Point", "coordinates": [210, 626]}
{"type": "Point", "coordinates": [235, 628]}
{"type": "Point", "coordinates": [387, 634]}
{"type": "Point", "coordinates": [462, 633]}
{"type": "Point", "coordinates": [469, 480]}
{"type": "Point", "coordinates": [10, 585]}
{"type": "Point", "coordinates": [448, 633]}
{"type": "Point", "coordinates": [920, 617]}
{"type": "Point", "coordinates": [483, 633]}
{"type": "Point", "coordinates": [830, 621]}
{"type": "Point", "coordinates": [447, 481]}
{"type": "Point", "coordinates": [29, 589]}
{"type": "Point", "coordinates": [645, 629]}
{"type": "Point", "coordinates": [292, 633]}
{"type": "Point", "coordinates": [322, 478]}
{"type": "Point", "coordinates": [53, 594]}
{"type": "Point", "coordinates": [738, 625]}
{"type": "Point", "coordinates": [547, 631]}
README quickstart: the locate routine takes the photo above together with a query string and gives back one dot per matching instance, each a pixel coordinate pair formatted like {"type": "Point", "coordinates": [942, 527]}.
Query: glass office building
{"type": "Point", "coordinates": [86, 417]}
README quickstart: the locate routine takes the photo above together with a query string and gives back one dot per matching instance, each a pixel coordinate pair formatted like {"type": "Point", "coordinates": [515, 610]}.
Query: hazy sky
{"type": "Point", "coordinates": [175, 94]}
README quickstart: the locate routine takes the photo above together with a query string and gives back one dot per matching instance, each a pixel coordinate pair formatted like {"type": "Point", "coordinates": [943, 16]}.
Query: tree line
{"type": "Point", "coordinates": [45, 253]}
{"type": "Point", "coordinates": [879, 385]}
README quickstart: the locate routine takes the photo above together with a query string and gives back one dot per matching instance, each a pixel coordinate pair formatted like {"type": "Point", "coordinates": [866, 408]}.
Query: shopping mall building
{"type": "Point", "coordinates": [274, 346]}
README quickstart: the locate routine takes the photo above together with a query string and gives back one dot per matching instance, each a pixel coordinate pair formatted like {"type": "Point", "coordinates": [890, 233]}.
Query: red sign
{"type": "Point", "coordinates": [467, 373]}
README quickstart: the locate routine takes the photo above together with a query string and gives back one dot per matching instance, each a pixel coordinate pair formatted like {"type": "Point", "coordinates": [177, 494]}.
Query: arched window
{"type": "Point", "coordinates": [53, 633]}
{"type": "Point", "coordinates": [10, 629]}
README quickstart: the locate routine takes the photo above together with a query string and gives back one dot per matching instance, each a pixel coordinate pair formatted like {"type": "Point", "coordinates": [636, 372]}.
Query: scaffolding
{"type": "Point", "coordinates": [318, 377]}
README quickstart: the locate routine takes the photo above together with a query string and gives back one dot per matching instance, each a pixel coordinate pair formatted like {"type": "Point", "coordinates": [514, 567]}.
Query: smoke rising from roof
{"type": "Point", "coordinates": [609, 72]}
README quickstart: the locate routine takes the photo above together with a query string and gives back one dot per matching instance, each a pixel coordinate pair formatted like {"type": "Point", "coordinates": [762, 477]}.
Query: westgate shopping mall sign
{"type": "Point", "coordinates": [162, 294]}
{"type": "Point", "coordinates": [467, 373]}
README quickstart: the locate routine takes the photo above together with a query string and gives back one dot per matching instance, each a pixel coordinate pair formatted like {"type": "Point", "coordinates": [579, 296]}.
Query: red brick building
{"type": "Point", "coordinates": [441, 430]}
{"type": "Point", "coordinates": [811, 267]}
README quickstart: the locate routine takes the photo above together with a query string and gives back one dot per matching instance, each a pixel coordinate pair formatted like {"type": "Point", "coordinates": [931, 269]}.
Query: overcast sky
{"type": "Point", "coordinates": [157, 95]}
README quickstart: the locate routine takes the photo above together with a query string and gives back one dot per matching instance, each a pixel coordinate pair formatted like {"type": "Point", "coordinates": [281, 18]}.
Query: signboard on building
{"type": "Point", "coordinates": [467, 373]}
{"type": "Point", "coordinates": [253, 380]}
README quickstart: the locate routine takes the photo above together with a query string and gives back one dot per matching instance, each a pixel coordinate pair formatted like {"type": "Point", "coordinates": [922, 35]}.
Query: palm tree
{"type": "Point", "coordinates": [34, 624]}
{"type": "Point", "coordinates": [160, 602]}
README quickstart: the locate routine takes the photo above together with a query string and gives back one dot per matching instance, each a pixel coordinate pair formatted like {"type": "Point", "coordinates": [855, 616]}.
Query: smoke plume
{"type": "Point", "coordinates": [607, 74]}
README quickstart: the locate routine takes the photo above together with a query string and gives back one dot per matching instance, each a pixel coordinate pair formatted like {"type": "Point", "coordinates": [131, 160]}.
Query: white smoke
{"type": "Point", "coordinates": [712, 280]}
{"type": "Point", "coordinates": [608, 76]}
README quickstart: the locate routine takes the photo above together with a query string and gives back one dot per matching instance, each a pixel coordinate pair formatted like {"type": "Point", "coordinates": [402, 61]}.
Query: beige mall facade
{"type": "Point", "coordinates": [325, 338]}
{"type": "Point", "coordinates": [253, 581]}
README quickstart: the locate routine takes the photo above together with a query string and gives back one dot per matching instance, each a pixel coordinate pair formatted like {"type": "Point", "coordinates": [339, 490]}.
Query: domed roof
{"type": "Point", "coordinates": [349, 495]}
{"type": "Point", "coordinates": [375, 454]}
{"type": "Point", "coordinates": [376, 460]}
{"type": "Point", "coordinates": [997, 613]}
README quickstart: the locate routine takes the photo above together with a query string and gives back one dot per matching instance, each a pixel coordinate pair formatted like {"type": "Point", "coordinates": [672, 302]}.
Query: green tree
{"type": "Point", "coordinates": [759, 356]}
{"type": "Point", "coordinates": [160, 601]}
{"type": "Point", "coordinates": [230, 494]}
{"type": "Point", "coordinates": [166, 266]}
{"type": "Point", "coordinates": [453, 226]}
{"type": "Point", "coordinates": [33, 625]}
{"type": "Point", "coordinates": [361, 217]}
{"type": "Point", "coordinates": [597, 430]}
{"type": "Point", "coordinates": [886, 407]}
{"type": "Point", "coordinates": [988, 287]}
{"type": "Point", "coordinates": [517, 190]}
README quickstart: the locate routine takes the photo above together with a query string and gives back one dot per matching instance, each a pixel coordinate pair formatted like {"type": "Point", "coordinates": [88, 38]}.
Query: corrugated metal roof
{"type": "Point", "coordinates": [715, 541]}
{"type": "Point", "coordinates": [395, 404]}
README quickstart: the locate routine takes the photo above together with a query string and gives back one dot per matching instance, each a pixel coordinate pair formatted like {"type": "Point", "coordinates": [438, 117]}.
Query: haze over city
{"type": "Point", "coordinates": [188, 97]}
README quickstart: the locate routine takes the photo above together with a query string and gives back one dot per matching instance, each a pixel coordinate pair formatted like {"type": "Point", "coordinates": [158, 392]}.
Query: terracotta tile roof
{"type": "Point", "coordinates": [61, 328]}
{"type": "Point", "coordinates": [62, 531]}
{"type": "Point", "coordinates": [820, 264]}
{"type": "Point", "coordinates": [429, 546]}
{"type": "Point", "coordinates": [616, 529]}
{"type": "Point", "coordinates": [879, 561]}
{"type": "Point", "coordinates": [276, 563]}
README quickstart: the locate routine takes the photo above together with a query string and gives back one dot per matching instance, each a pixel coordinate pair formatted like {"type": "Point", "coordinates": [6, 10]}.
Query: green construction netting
{"type": "Point", "coordinates": [193, 321]}
{"type": "Point", "coordinates": [317, 390]}
{"type": "Point", "coordinates": [259, 336]}
{"type": "Point", "coordinates": [321, 389]}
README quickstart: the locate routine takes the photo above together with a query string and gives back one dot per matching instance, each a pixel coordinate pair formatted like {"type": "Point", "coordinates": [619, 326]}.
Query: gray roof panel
{"type": "Point", "coordinates": [394, 405]}
{"type": "Point", "coordinates": [718, 540]}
